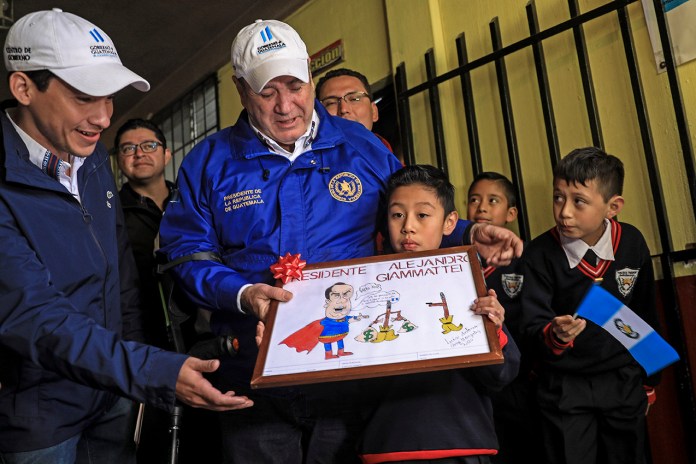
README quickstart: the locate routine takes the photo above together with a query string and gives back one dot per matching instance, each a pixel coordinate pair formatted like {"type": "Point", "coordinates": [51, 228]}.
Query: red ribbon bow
{"type": "Point", "coordinates": [288, 267]}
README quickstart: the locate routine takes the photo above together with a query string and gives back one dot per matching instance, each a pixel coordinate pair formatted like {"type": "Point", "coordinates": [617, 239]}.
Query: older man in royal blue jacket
{"type": "Point", "coordinates": [286, 178]}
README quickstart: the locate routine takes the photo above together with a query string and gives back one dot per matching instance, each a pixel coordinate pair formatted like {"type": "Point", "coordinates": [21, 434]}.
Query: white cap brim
{"type": "Point", "coordinates": [271, 69]}
{"type": "Point", "coordinates": [101, 80]}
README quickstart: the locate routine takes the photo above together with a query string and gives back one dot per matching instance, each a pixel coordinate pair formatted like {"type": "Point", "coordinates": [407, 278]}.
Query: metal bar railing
{"type": "Point", "coordinates": [469, 108]}
{"type": "Point", "coordinates": [510, 136]}
{"type": "Point", "coordinates": [404, 109]}
{"type": "Point", "coordinates": [517, 46]}
{"type": "Point", "coordinates": [544, 89]}
{"type": "Point", "coordinates": [436, 114]}
{"type": "Point", "coordinates": [586, 77]}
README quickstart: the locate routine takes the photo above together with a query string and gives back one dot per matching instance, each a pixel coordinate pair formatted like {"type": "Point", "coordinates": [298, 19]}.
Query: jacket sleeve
{"type": "Point", "coordinates": [536, 299]}
{"type": "Point", "coordinates": [42, 327]}
{"type": "Point", "coordinates": [495, 377]}
{"type": "Point", "coordinates": [187, 227]}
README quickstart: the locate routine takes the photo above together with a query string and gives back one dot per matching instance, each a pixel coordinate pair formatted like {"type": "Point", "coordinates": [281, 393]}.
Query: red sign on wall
{"type": "Point", "coordinates": [327, 57]}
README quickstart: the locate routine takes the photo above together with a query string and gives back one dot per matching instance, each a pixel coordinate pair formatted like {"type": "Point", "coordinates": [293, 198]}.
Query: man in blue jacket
{"type": "Point", "coordinates": [286, 178]}
{"type": "Point", "coordinates": [63, 362]}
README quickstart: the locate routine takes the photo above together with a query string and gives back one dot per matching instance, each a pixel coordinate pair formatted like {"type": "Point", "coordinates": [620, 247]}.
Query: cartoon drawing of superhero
{"type": "Point", "coordinates": [331, 329]}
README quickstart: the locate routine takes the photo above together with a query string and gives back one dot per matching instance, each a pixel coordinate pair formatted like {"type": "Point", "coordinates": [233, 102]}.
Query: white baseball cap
{"type": "Point", "coordinates": [267, 49]}
{"type": "Point", "coordinates": [75, 50]}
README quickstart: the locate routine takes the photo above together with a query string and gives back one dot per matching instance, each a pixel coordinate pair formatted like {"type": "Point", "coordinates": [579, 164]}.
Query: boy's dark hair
{"type": "Point", "coordinates": [508, 188]}
{"type": "Point", "coordinates": [40, 78]}
{"type": "Point", "coordinates": [138, 124]}
{"type": "Point", "coordinates": [428, 176]}
{"type": "Point", "coordinates": [344, 72]}
{"type": "Point", "coordinates": [585, 164]}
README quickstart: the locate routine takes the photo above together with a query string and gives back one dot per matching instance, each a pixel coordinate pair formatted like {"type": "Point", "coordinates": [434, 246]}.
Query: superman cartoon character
{"type": "Point", "coordinates": [331, 329]}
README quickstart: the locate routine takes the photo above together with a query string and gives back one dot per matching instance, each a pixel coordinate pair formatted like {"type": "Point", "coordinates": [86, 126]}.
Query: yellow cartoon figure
{"type": "Point", "coordinates": [447, 324]}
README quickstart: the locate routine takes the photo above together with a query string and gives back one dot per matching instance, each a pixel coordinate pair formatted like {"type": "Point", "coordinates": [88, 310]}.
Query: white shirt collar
{"type": "Point", "coordinates": [575, 248]}
{"type": "Point", "coordinates": [37, 154]}
{"type": "Point", "coordinates": [302, 145]}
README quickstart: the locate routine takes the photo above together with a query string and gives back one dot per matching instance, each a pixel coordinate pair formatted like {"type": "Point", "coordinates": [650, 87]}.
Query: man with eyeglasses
{"type": "Point", "coordinates": [286, 178]}
{"type": "Point", "coordinates": [67, 280]}
{"type": "Point", "coordinates": [142, 155]}
{"type": "Point", "coordinates": [346, 93]}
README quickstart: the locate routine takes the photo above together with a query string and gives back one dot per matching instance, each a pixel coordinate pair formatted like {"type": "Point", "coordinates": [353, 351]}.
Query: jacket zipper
{"type": "Point", "coordinates": [87, 217]}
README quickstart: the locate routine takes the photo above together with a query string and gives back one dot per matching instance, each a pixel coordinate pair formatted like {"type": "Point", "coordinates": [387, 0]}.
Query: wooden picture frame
{"type": "Point", "coordinates": [417, 318]}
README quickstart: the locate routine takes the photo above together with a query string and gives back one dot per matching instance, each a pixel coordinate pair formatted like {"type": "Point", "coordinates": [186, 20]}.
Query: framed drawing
{"type": "Point", "coordinates": [378, 316]}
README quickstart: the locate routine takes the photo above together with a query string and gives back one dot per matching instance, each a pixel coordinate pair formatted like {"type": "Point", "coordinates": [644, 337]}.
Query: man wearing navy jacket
{"type": "Point", "coordinates": [67, 269]}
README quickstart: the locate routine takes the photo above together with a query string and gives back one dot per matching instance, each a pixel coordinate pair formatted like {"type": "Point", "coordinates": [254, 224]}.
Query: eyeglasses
{"type": "Point", "coordinates": [129, 149]}
{"type": "Point", "coordinates": [351, 98]}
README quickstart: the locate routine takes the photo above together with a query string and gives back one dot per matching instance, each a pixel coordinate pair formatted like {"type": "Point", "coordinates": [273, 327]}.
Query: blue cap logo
{"type": "Point", "coordinates": [96, 35]}
{"type": "Point", "coordinates": [266, 34]}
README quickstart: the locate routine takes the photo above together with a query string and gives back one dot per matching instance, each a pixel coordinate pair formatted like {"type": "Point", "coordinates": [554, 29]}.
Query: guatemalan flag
{"type": "Point", "coordinates": [645, 345]}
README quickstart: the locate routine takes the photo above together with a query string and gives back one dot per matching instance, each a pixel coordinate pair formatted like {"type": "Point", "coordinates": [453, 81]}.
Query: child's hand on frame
{"type": "Point", "coordinates": [491, 307]}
